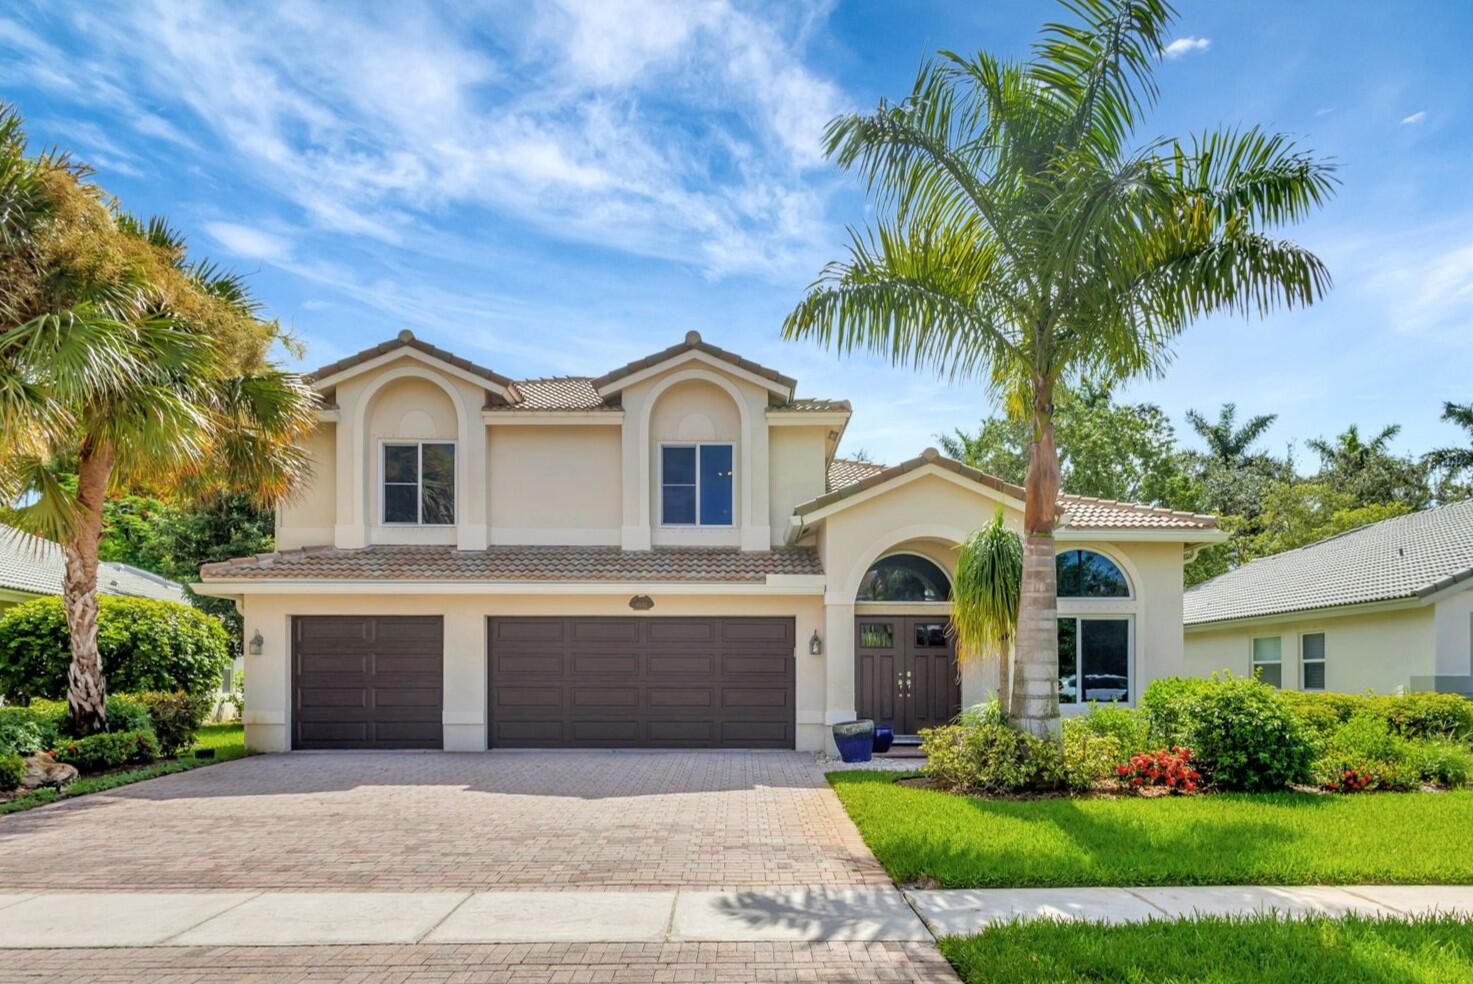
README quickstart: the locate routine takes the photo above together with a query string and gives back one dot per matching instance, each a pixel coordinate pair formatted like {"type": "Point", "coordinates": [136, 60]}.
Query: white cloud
{"type": "Point", "coordinates": [1185, 46]}
{"type": "Point", "coordinates": [1422, 280]}
{"type": "Point", "coordinates": [1414, 119]}
{"type": "Point", "coordinates": [681, 130]}
{"type": "Point", "coordinates": [249, 243]}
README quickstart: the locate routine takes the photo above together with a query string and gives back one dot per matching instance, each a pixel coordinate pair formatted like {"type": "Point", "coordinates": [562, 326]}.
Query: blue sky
{"type": "Point", "coordinates": [563, 186]}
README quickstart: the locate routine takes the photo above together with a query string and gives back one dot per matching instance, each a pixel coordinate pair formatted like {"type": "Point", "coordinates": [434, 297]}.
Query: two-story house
{"type": "Point", "coordinates": [667, 555]}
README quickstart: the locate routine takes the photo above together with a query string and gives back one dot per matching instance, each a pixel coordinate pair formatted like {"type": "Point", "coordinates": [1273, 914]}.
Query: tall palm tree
{"type": "Point", "coordinates": [1349, 453]}
{"type": "Point", "coordinates": [1455, 460]}
{"type": "Point", "coordinates": [1227, 443]}
{"type": "Point", "coordinates": [984, 598]}
{"type": "Point", "coordinates": [125, 363]}
{"type": "Point", "coordinates": [1025, 241]}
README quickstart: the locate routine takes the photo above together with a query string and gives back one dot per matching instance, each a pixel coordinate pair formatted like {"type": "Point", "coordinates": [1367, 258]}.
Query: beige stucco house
{"type": "Point", "coordinates": [670, 554]}
{"type": "Point", "coordinates": [1387, 607]}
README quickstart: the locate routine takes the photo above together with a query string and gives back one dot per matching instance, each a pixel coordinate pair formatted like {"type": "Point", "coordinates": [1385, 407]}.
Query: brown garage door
{"type": "Point", "coordinates": [642, 682]}
{"type": "Point", "coordinates": [367, 682]}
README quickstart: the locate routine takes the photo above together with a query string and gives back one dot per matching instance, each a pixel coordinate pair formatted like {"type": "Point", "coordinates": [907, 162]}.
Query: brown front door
{"type": "Point", "coordinates": [367, 682]}
{"type": "Point", "coordinates": [654, 682]}
{"type": "Point", "coordinates": [905, 672]}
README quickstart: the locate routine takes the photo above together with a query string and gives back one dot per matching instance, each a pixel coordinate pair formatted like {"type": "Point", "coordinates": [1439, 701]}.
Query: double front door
{"type": "Point", "coordinates": [905, 672]}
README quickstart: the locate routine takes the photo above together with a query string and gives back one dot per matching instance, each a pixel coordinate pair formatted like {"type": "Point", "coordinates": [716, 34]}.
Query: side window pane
{"type": "Point", "coordinates": [1105, 646]}
{"type": "Point", "coordinates": [439, 484]}
{"type": "Point", "coordinates": [716, 475]}
{"type": "Point", "coordinates": [399, 503]}
{"type": "Point", "coordinates": [1068, 661]}
{"type": "Point", "coordinates": [678, 491]}
{"type": "Point", "coordinates": [401, 463]}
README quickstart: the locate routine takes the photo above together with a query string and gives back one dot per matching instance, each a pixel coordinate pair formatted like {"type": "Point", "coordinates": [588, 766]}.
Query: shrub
{"type": "Point", "coordinates": [1322, 713]}
{"type": "Point", "coordinates": [1428, 715]}
{"type": "Point", "coordinates": [175, 717]}
{"type": "Point", "coordinates": [1167, 705]}
{"type": "Point", "coordinates": [109, 750]}
{"type": "Point", "coordinates": [125, 712]}
{"type": "Point", "coordinates": [1240, 730]}
{"type": "Point", "coordinates": [1365, 747]}
{"type": "Point", "coordinates": [1088, 758]}
{"type": "Point", "coordinates": [32, 728]}
{"type": "Point", "coordinates": [1130, 727]}
{"type": "Point", "coordinates": [12, 767]}
{"type": "Point", "coordinates": [987, 712]}
{"type": "Point", "coordinates": [145, 644]}
{"type": "Point", "coordinates": [24, 738]}
{"type": "Point", "coordinates": [1166, 768]}
{"type": "Point", "coordinates": [989, 758]}
{"type": "Point", "coordinates": [1443, 763]}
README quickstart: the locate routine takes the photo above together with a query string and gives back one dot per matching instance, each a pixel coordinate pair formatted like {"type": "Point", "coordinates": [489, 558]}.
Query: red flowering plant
{"type": "Point", "coordinates": [1350, 780]}
{"type": "Point", "coordinates": [1165, 768]}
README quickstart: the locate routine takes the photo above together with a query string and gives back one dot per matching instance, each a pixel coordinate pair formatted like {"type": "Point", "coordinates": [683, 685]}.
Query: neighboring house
{"type": "Point", "coordinates": [667, 555]}
{"type": "Point", "coordinates": [31, 567]}
{"type": "Point", "coordinates": [1385, 607]}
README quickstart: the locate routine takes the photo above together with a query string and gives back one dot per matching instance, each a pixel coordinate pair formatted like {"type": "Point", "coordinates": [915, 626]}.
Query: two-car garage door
{"type": "Point", "coordinates": [377, 682]}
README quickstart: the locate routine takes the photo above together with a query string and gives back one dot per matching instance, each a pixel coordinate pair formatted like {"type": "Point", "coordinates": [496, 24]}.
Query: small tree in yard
{"type": "Point", "coordinates": [984, 598]}
{"type": "Point", "coordinates": [1026, 243]}
{"type": "Point", "coordinates": [128, 365]}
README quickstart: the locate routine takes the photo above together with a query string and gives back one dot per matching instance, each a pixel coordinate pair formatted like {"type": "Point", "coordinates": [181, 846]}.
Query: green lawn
{"type": "Point", "coordinates": [1224, 839]}
{"type": "Point", "coordinates": [1261, 950]}
{"type": "Point", "coordinates": [228, 741]}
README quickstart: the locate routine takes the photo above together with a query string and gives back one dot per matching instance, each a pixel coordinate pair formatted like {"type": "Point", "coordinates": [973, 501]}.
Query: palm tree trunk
{"type": "Point", "coordinates": [1035, 704]}
{"type": "Point", "coordinates": [86, 686]}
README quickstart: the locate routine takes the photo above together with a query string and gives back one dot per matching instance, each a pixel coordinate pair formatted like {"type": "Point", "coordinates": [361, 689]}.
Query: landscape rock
{"type": "Point", "coordinates": [43, 770]}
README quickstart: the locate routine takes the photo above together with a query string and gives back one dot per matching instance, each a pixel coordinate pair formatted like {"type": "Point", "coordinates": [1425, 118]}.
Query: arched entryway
{"type": "Point", "coordinates": [904, 659]}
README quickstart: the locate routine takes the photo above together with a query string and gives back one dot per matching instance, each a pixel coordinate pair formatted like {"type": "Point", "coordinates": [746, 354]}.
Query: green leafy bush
{"type": "Point", "coordinates": [1322, 714]}
{"type": "Point", "coordinates": [1240, 730]}
{"type": "Point", "coordinates": [108, 751]}
{"type": "Point", "coordinates": [1366, 746]}
{"type": "Point", "coordinates": [1441, 762]}
{"type": "Point", "coordinates": [24, 738]}
{"type": "Point", "coordinates": [31, 728]}
{"type": "Point", "coordinates": [175, 717]}
{"type": "Point", "coordinates": [125, 712]}
{"type": "Point", "coordinates": [1088, 758]}
{"type": "Point", "coordinates": [145, 645]}
{"type": "Point", "coordinates": [1428, 715]}
{"type": "Point", "coordinates": [1130, 727]}
{"type": "Point", "coordinates": [12, 767]}
{"type": "Point", "coordinates": [990, 758]}
{"type": "Point", "coordinates": [1167, 706]}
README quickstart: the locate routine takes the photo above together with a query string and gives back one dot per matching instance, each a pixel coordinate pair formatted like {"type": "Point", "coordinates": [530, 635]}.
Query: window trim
{"type": "Point", "coordinates": [383, 482]}
{"type": "Point", "coordinates": [1128, 618]}
{"type": "Point", "coordinates": [660, 485]}
{"type": "Point", "coordinates": [1254, 662]}
{"type": "Point", "coordinates": [1323, 662]}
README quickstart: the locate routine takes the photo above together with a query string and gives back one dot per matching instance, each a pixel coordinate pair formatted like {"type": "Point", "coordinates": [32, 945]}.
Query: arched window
{"type": "Point", "coordinates": [1086, 574]}
{"type": "Point", "coordinates": [904, 577]}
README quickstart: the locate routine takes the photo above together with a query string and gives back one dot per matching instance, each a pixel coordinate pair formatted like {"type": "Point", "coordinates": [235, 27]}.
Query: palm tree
{"type": "Point", "coordinates": [124, 363]}
{"type": "Point", "coordinates": [1455, 460]}
{"type": "Point", "coordinates": [1024, 242]}
{"type": "Point", "coordinates": [984, 598]}
{"type": "Point", "coordinates": [1227, 443]}
{"type": "Point", "coordinates": [1348, 453]}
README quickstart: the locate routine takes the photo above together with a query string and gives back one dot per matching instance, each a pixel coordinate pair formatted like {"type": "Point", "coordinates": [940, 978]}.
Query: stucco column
{"type": "Point", "coordinates": [472, 527]}
{"type": "Point", "coordinates": [464, 712]}
{"type": "Point", "coordinates": [268, 675]}
{"type": "Point", "coordinates": [839, 661]}
{"type": "Point", "coordinates": [351, 529]}
{"type": "Point", "coordinates": [979, 681]}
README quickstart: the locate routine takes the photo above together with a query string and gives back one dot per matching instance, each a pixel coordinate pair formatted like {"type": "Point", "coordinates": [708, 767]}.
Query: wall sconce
{"type": "Point", "coordinates": [815, 644]}
{"type": "Point", "coordinates": [254, 646]}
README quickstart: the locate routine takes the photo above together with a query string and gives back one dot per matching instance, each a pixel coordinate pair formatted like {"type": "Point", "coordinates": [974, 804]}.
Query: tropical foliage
{"type": "Point", "coordinates": [1026, 239]}
{"type": "Point", "coordinates": [129, 364]}
{"type": "Point", "coordinates": [985, 596]}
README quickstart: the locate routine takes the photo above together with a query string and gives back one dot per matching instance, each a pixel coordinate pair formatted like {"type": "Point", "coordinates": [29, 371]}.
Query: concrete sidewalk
{"type": "Point", "coordinates": [949, 912]}
{"type": "Point", "coordinates": [225, 919]}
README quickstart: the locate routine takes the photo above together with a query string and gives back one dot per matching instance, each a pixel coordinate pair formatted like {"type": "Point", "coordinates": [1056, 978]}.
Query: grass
{"type": "Point", "coordinates": [228, 741]}
{"type": "Point", "coordinates": [1260, 950]}
{"type": "Point", "coordinates": [930, 837]}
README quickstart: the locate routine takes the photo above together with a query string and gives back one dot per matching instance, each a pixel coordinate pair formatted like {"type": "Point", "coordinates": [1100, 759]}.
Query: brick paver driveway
{"type": "Point", "coordinates": [482, 821]}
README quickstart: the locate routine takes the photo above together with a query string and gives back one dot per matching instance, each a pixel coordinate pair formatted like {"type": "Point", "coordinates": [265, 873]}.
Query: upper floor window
{"type": "Point", "coordinates": [1086, 574]}
{"type": "Point", "coordinates": [696, 485]}
{"type": "Point", "coordinates": [419, 483]}
{"type": "Point", "coordinates": [904, 577]}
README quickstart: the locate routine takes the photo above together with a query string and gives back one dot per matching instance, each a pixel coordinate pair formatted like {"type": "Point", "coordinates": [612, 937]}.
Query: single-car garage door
{"type": "Point", "coordinates": [642, 682]}
{"type": "Point", "coordinates": [367, 682]}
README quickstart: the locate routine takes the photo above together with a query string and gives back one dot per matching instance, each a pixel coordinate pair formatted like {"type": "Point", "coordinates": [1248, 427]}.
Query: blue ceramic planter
{"type": "Point", "coordinates": [855, 740]}
{"type": "Point", "coordinates": [884, 738]}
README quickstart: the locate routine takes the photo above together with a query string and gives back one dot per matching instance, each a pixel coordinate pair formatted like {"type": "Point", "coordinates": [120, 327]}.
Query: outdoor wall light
{"type": "Point", "coordinates": [254, 646]}
{"type": "Point", "coordinates": [815, 644]}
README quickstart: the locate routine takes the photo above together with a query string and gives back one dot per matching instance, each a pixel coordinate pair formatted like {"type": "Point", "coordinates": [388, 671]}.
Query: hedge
{"type": "Point", "coordinates": [145, 645]}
